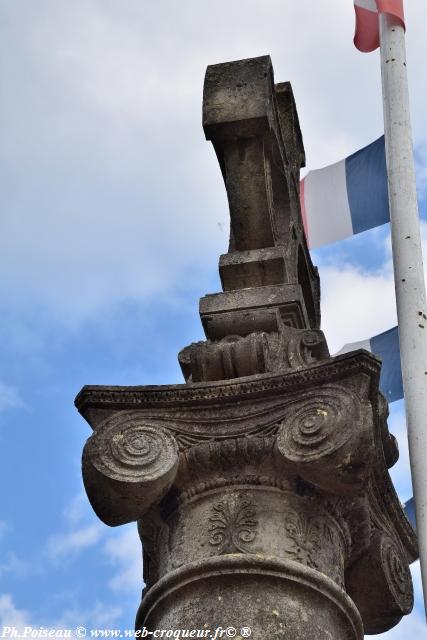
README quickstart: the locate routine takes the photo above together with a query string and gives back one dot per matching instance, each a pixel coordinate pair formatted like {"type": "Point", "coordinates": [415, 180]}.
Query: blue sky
{"type": "Point", "coordinates": [113, 215]}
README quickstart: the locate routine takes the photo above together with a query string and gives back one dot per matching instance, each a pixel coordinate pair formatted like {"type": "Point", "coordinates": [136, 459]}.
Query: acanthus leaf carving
{"type": "Point", "coordinates": [233, 525]}
{"type": "Point", "coordinates": [302, 538]}
{"type": "Point", "coordinates": [315, 541]}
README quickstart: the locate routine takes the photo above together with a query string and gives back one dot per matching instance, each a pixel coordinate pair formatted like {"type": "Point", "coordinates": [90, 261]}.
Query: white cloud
{"type": "Point", "coordinates": [82, 530]}
{"type": "Point", "coordinates": [11, 616]}
{"type": "Point", "coordinates": [9, 397]}
{"type": "Point", "coordinates": [358, 303]}
{"type": "Point", "coordinates": [99, 616]}
{"type": "Point", "coordinates": [77, 510]}
{"type": "Point", "coordinates": [11, 564]}
{"type": "Point", "coordinates": [4, 528]}
{"type": "Point", "coordinates": [401, 472]}
{"type": "Point", "coordinates": [78, 535]}
{"type": "Point", "coordinates": [71, 543]}
{"type": "Point", "coordinates": [125, 554]}
{"type": "Point", "coordinates": [110, 189]}
{"type": "Point", "coordinates": [421, 169]}
{"type": "Point", "coordinates": [121, 548]}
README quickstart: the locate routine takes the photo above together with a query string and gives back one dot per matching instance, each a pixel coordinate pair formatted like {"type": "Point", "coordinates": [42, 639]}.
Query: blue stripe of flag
{"type": "Point", "coordinates": [386, 346]}
{"type": "Point", "coordinates": [410, 512]}
{"type": "Point", "coordinates": [367, 190]}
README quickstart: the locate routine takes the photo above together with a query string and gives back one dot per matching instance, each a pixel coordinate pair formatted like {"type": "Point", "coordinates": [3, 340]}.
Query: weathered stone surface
{"type": "Point", "coordinates": [134, 462]}
{"type": "Point", "coordinates": [254, 128]}
{"type": "Point", "coordinates": [256, 268]}
{"type": "Point", "coordinates": [262, 352]}
{"type": "Point", "coordinates": [274, 598]}
{"type": "Point", "coordinates": [251, 309]}
{"type": "Point", "coordinates": [235, 493]}
{"type": "Point", "coordinates": [261, 486]}
{"type": "Point", "coordinates": [389, 587]}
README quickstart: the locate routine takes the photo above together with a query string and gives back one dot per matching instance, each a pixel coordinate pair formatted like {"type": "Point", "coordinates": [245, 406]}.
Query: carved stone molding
{"type": "Point", "coordinates": [93, 401]}
{"type": "Point", "coordinates": [134, 463]}
{"type": "Point", "coordinates": [270, 595]}
{"type": "Point", "coordinates": [259, 352]}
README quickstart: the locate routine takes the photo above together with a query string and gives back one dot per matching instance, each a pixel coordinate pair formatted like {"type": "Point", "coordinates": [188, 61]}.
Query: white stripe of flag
{"type": "Point", "coordinates": [347, 197]}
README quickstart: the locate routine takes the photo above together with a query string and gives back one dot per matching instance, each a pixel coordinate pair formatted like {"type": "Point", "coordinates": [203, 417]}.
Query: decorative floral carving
{"type": "Point", "coordinates": [302, 536]}
{"type": "Point", "coordinates": [315, 542]}
{"type": "Point", "coordinates": [233, 525]}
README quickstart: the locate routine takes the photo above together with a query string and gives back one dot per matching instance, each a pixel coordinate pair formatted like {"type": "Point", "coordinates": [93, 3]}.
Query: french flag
{"type": "Point", "coordinates": [367, 37]}
{"type": "Point", "coordinates": [347, 197]}
{"type": "Point", "coordinates": [385, 346]}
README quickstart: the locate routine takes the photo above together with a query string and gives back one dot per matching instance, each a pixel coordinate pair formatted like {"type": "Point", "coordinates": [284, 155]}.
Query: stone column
{"type": "Point", "coordinates": [261, 485]}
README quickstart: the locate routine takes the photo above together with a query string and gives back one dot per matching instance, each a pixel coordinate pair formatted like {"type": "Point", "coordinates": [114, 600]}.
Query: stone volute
{"type": "Point", "coordinates": [260, 486]}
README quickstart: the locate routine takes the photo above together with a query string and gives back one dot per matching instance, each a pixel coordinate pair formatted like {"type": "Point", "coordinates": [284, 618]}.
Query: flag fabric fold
{"type": "Point", "coordinates": [367, 37]}
{"type": "Point", "coordinates": [347, 197]}
{"type": "Point", "coordinates": [410, 512]}
{"type": "Point", "coordinates": [385, 346]}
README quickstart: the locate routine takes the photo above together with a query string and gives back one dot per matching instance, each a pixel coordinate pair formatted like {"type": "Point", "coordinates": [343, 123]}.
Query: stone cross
{"type": "Point", "coordinates": [261, 485]}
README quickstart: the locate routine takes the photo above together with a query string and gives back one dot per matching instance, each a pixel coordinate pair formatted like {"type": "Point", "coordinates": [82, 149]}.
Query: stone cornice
{"type": "Point", "coordinates": [138, 397]}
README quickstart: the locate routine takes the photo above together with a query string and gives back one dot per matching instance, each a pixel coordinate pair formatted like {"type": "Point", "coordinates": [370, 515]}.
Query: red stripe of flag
{"type": "Point", "coordinates": [393, 7]}
{"type": "Point", "coordinates": [366, 37]}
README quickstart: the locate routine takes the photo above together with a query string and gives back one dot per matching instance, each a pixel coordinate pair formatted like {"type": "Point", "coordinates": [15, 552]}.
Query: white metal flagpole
{"type": "Point", "coordinates": [407, 261]}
